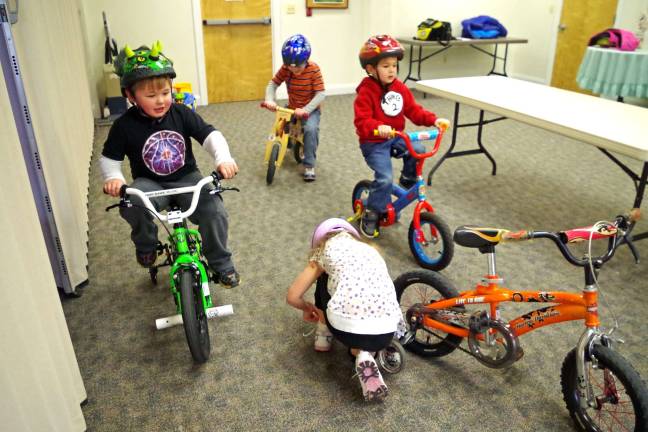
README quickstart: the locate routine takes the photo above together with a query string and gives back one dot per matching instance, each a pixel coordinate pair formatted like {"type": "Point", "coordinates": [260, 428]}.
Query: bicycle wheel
{"type": "Point", "coordinates": [425, 287]}
{"type": "Point", "coordinates": [391, 359]}
{"type": "Point", "coordinates": [298, 151]}
{"type": "Point", "coordinates": [194, 317]}
{"type": "Point", "coordinates": [436, 252]}
{"type": "Point", "coordinates": [360, 193]}
{"type": "Point", "coordinates": [272, 163]}
{"type": "Point", "coordinates": [621, 396]}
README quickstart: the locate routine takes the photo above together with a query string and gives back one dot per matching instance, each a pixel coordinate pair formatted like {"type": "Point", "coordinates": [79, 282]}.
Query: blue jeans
{"type": "Point", "coordinates": [378, 157]}
{"type": "Point", "coordinates": [311, 138]}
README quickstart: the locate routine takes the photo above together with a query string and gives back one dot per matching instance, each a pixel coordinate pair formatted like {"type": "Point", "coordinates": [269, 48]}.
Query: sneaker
{"type": "Point", "coordinates": [369, 224]}
{"type": "Point", "coordinates": [228, 278]}
{"type": "Point", "coordinates": [323, 338]}
{"type": "Point", "coordinates": [406, 182]}
{"type": "Point", "coordinates": [373, 386]}
{"type": "Point", "coordinates": [309, 174]}
{"type": "Point", "coordinates": [146, 259]}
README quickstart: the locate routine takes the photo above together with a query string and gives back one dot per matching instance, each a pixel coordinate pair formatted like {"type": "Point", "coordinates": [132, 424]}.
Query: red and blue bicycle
{"type": "Point", "coordinates": [430, 239]}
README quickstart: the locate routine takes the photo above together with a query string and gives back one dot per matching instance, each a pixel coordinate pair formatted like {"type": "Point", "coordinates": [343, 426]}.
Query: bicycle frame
{"type": "Point", "coordinates": [571, 307]}
{"type": "Point", "coordinates": [405, 197]}
{"type": "Point", "coordinates": [284, 118]}
{"type": "Point", "coordinates": [186, 248]}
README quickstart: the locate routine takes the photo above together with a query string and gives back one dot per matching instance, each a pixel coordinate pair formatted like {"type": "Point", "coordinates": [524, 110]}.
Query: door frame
{"type": "Point", "coordinates": [554, 43]}
{"type": "Point", "coordinates": [275, 13]}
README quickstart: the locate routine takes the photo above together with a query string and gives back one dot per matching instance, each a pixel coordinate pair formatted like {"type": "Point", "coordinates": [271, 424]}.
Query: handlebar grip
{"type": "Point", "coordinates": [516, 235]}
{"type": "Point", "coordinates": [122, 190]}
{"type": "Point", "coordinates": [392, 134]}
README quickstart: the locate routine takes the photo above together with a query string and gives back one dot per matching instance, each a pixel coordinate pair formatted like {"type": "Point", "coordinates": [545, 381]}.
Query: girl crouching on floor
{"type": "Point", "coordinates": [358, 305]}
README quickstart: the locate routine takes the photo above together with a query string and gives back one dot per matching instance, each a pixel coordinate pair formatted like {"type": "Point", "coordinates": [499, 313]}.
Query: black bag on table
{"type": "Point", "coordinates": [434, 30]}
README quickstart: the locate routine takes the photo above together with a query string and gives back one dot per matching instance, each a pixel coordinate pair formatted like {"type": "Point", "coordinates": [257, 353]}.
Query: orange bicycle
{"type": "Point", "coordinates": [601, 389]}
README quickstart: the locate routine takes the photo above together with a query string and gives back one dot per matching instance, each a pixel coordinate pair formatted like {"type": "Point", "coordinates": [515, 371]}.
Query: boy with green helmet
{"type": "Point", "coordinates": [155, 134]}
{"type": "Point", "coordinates": [132, 66]}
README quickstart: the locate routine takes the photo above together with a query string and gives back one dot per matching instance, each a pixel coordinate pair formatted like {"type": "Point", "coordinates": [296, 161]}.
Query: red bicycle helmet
{"type": "Point", "coordinates": [378, 47]}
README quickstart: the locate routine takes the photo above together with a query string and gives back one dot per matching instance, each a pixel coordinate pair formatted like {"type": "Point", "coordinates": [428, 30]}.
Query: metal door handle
{"type": "Point", "coordinates": [222, 22]}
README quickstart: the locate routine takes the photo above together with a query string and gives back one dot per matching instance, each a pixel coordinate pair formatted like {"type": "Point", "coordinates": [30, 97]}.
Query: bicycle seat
{"type": "Point", "coordinates": [477, 237]}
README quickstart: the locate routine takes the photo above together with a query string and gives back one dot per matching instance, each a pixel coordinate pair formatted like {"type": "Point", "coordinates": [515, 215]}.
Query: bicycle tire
{"type": "Point", "coordinates": [298, 151]}
{"type": "Point", "coordinates": [360, 192]}
{"type": "Point", "coordinates": [194, 317]}
{"type": "Point", "coordinates": [391, 359]}
{"type": "Point", "coordinates": [421, 343]}
{"type": "Point", "coordinates": [609, 361]}
{"type": "Point", "coordinates": [272, 163]}
{"type": "Point", "coordinates": [439, 230]}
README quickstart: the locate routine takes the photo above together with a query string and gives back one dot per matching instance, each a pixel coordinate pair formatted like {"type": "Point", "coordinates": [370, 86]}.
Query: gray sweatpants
{"type": "Point", "coordinates": [210, 216]}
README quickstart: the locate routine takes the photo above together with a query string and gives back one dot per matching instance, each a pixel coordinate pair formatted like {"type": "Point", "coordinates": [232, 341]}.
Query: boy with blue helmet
{"type": "Point", "coordinates": [305, 86]}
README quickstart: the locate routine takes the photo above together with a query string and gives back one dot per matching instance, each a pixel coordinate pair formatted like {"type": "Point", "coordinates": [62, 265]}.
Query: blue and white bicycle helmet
{"type": "Point", "coordinates": [296, 50]}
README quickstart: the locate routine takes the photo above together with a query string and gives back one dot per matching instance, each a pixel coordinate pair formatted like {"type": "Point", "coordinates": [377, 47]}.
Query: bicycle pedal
{"type": "Point", "coordinates": [407, 338]}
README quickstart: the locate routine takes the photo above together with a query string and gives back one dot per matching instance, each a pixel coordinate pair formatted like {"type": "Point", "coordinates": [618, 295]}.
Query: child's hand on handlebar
{"type": "Point", "coordinates": [271, 106]}
{"type": "Point", "coordinates": [442, 123]}
{"type": "Point", "coordinates": [385, 131]}
{"type": "Point", "coordinates": [300, 113]}
{"type": "Point", "coordinates": [112, 187]}
{"type": "Point", "coordinates": [227, 169]}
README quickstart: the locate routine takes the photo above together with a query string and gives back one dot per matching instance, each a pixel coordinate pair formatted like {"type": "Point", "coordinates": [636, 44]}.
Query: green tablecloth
{"type": "Point", "coordinates": [614, 73]}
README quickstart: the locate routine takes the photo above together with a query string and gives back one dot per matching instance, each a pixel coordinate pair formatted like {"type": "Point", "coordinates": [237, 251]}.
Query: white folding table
{"type": "Point", "coordinates": [609, 125]}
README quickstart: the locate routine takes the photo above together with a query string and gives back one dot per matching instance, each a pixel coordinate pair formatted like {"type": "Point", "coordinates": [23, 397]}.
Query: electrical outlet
{"type": "Point", "coordinates": [290, 8]}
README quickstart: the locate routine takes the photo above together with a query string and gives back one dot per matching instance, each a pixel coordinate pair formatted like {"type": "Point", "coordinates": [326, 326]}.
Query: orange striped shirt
{"type": "Point", "coordinates": [302, 87]}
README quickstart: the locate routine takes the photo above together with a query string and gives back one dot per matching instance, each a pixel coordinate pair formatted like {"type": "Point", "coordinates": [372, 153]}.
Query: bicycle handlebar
{"type": "Point", "coordinates": [611, 231]}
{"type": "Point", "coordinates": [282, 109]}
{"type": "Point", "coordinates": [419, 136]}
{"type": "Point", "coordinates": [214, 178]}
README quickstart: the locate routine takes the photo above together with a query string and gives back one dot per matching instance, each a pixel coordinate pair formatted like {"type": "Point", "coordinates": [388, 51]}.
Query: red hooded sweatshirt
{"type": "Point", "coordinates": [374, 106]}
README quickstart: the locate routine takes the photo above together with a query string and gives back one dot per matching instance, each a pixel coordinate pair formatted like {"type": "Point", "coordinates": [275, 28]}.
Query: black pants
{"type": "Point", "coordinates": [366, 342]}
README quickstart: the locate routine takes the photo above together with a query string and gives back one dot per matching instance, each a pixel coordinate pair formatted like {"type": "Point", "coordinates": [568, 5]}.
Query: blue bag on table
{"type": "Point", "coordinates": [482, 27]}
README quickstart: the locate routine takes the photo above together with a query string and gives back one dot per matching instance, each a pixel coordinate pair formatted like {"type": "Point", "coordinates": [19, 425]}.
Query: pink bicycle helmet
{"type": "Point", "coordinates": [329, 226]}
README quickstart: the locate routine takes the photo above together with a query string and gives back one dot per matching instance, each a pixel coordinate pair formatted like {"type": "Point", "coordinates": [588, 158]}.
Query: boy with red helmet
{"type": "Point", "coordinates": [305, 86]}
{"type": "Point", "coordinates": [382, 103]}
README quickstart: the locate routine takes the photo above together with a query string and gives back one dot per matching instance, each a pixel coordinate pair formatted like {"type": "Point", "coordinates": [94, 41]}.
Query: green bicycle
{"type": "Point", "coordinates": [188, 275]}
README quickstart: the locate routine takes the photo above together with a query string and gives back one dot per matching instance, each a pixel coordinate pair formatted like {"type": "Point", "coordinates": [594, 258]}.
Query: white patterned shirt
{"type": "Point", "coordinates": [363, 298]}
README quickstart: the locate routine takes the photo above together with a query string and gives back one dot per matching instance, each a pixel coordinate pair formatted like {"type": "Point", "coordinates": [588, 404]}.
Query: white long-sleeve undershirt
{"type": "Point", "coordinates": [215, 144]}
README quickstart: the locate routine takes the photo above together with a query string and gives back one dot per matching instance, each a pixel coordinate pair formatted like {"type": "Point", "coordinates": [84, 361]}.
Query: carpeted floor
{"type": "Point", "coordinates": [263, 373]}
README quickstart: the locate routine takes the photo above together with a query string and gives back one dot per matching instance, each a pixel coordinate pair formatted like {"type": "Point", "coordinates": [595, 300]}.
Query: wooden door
{"type": "Point", "coordinates": [238, 57]}
{"type": "Point", "coordinates": [580, 19]}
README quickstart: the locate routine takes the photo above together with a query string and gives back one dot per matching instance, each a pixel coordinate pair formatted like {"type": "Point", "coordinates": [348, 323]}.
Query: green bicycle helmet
{"type": "Point", "coordinates": [132, 66]}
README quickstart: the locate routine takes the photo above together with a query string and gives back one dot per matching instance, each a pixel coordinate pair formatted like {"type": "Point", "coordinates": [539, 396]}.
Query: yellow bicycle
{"type": "Point", "coordinates": [286, 133]}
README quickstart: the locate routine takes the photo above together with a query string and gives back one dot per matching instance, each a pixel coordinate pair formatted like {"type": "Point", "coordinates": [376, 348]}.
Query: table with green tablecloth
{"type": "Point", "coordinates": [613, 72]}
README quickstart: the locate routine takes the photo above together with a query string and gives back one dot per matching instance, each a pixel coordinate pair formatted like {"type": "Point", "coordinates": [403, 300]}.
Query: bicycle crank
{"type": "Point", "coordinates": [492, 342]}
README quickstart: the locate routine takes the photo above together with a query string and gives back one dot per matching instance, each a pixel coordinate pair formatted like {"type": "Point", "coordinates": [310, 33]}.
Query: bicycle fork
{"type": "Point", "coordinates": [211, 312]}
{"type": "Point", "coordinates": [585, 347]}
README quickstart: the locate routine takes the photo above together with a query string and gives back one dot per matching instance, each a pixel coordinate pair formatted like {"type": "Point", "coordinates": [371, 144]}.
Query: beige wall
{"type": "Point", "coordinates": [40, 383]}
{"type": "Point", "coordinates": [57, 88]}
{"type": "Point", "coordinates": [629, 13]}
{"type": "Point", "coordinates": [336, 34]}
{"type": "Point", "coordinates": [137, 23]}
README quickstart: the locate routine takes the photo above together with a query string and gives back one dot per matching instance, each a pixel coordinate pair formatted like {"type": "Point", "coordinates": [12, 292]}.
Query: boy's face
{"type": "Point", "coordinates": [153, 97]}
{"type": "Point", "coordinates": [297, 70]}
{"type": "Point", "coordinates": [386, 70]}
